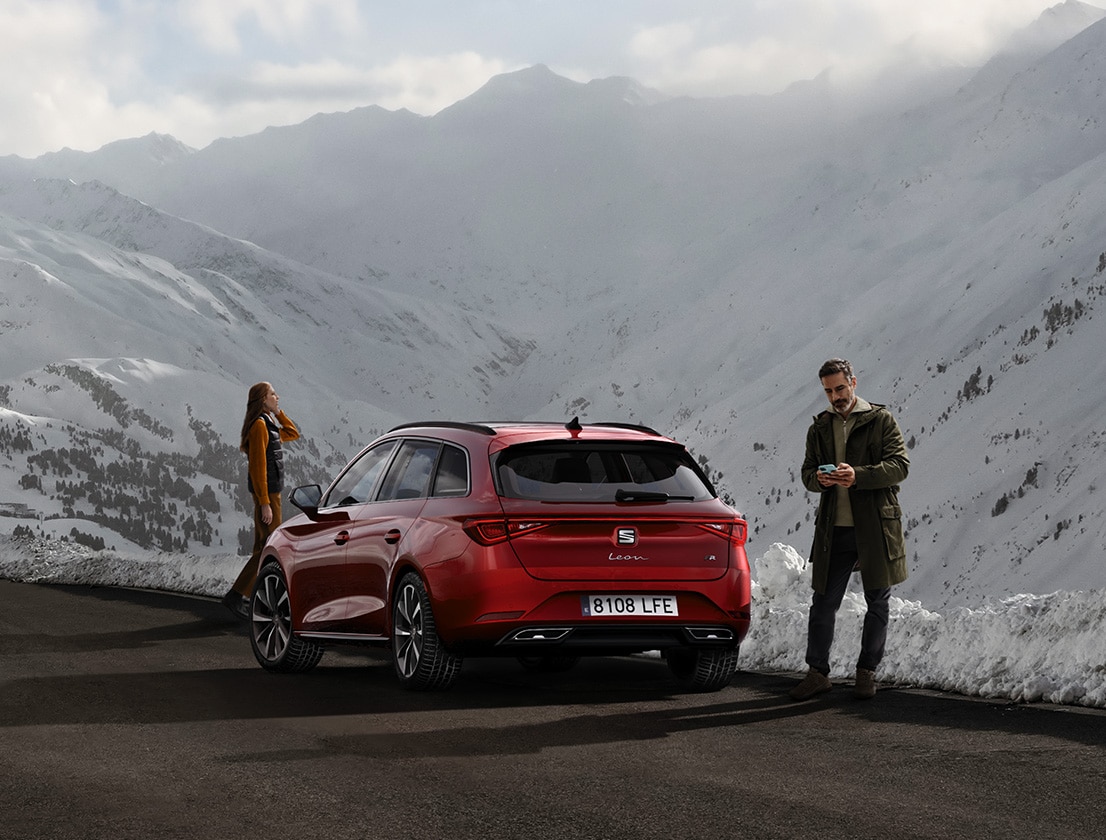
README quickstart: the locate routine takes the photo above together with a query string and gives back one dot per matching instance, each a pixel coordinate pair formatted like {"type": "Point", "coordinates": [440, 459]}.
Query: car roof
{"type": "Point", "coordinates": [501, 434]}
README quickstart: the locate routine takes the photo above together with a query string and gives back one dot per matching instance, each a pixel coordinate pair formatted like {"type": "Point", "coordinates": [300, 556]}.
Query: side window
{"type": "Point", "coordinates": [452, 478]}
{"type": "Point", "coordinates": [409, 475]}
{"type": "Point", "coordinates": [356, 484]}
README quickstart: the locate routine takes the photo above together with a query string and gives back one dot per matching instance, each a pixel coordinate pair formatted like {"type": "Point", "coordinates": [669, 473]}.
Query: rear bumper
{"type": "Point", "coordinates": [500, 609]}
{"type": "Point", "coordinates": [608, 640]}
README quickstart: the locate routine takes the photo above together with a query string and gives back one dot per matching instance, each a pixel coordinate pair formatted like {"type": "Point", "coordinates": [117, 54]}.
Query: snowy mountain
{"type": "Point", "coordinates": [137, 333]}
{"type": "Point", "coordinates": [546, 248]}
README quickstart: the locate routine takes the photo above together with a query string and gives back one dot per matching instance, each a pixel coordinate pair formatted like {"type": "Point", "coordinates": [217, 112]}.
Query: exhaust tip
{"type": "Point", "coordinates": [710, 634]}
{"type": "Point", "coordinates": [539, 634]}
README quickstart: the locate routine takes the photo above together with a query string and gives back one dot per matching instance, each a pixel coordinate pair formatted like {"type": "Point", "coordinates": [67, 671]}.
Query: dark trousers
{"type": "Point", "coordinates": [824, 606]}
{"type": "Point", "coordinates": [248, 576]}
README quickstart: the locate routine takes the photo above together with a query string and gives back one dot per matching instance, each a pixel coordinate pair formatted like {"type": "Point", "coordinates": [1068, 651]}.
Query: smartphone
{"type": "Point", "coordinates": [827, 468]}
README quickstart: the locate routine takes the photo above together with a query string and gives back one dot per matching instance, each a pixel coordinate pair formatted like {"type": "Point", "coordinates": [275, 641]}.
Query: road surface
{"type": "Point", "coordinates": [129, 714]}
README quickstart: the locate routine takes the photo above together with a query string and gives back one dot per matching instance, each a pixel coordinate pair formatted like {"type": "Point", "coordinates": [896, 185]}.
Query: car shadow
{"type": "Point", "coordinates": [573, 730]}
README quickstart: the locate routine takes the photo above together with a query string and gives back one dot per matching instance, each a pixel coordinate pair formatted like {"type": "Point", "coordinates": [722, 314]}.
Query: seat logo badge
{"type": "Point", "coordinates": [625, 536]}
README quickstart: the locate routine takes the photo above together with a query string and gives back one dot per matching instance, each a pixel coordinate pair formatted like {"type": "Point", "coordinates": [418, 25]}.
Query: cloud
{"type": "Point", "coordinates": [424, 84]}
{"type": "Point", "coordinates": [664, 42]}
{"type": "Point", "coordinates": [219, 24]}
{"type": "Point", "coordinates": [81, 79]}
{"type": "Point", "coordinates": [685, 59]}
{"type": "Point", "coordinates": [764, 46]}
{"type": "Point", "coordinates": [271, 94]}
{"type": "Point", "coordinates": [85, 72]}
{"type": "Point", "coordinates": [53, 82]}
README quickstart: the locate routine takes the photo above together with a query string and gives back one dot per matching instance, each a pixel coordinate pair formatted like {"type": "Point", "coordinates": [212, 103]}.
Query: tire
{"type": "Point", "coordinates": [703, 670]}
{"type": "Point", "coordinates": [274, 645]}
{"type": "Point", "coordinates": [421, 661]}
{"type": "Point", "coordinates": [548, 664]}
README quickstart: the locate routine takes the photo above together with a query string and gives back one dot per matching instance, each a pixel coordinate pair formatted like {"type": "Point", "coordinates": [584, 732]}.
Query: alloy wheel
{"type": "Point", "coordinates": [409, 632]}
{"type": "Point", "coordinates": [271, 618]}
{"type": "Point", "coordinates": [274, 643]}
{"type": "Point", "coordinates": [422, 661]}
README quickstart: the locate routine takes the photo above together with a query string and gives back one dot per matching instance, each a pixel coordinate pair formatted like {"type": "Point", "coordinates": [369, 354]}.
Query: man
{"type": "Point", "coordinates": [855, 459]}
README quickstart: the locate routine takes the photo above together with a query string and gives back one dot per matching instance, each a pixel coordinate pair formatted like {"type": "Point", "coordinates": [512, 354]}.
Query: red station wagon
{"type": "Point", "coordinates": [541, 541]}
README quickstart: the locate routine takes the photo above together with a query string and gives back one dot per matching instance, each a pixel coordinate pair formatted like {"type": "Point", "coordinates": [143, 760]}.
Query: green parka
{"type": "Point", "coordinates": [876, 451]}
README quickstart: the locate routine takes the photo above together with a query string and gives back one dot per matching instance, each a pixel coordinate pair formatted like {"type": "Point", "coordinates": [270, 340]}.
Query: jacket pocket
{"type": "Point", "coordinates": [891, 519]}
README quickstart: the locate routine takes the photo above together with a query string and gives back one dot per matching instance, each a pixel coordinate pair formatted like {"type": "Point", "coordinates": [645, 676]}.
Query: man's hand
{"type": "Point", "coordinates": [844, 475]}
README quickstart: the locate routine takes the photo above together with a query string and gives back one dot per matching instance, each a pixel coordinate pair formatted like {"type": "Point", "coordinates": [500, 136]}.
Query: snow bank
{"type": "Point", "coordinates": [1027, 648]}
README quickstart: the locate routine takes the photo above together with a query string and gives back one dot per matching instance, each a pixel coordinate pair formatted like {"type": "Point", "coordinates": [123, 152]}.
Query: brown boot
{"type": "Point", "coordinates": [814, 683]}
{"type": "Point", "coordinates": [865, 688]}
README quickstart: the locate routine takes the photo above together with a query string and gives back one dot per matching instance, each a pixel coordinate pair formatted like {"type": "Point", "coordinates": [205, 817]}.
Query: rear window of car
{"type": "Point", "coordinates": [599, 472]}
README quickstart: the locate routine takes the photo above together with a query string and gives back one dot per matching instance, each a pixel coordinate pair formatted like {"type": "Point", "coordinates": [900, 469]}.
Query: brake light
{"type": "Point", "coordinates": [493, 531]}
{"type": "Point", "coordinates": [736, 530]}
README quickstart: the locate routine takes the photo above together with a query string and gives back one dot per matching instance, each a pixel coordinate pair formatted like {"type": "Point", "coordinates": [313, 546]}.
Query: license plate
{"type": "Point", "coordinates": [645, 606]}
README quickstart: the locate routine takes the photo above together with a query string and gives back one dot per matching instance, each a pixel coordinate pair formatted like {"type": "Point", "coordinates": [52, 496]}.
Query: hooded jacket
{"type": "Point", "coordinates": [876, 452]}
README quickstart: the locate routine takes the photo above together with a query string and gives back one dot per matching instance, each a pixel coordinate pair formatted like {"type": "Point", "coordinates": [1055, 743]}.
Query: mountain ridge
{"type": "Point", "coordinates": [683, 263]}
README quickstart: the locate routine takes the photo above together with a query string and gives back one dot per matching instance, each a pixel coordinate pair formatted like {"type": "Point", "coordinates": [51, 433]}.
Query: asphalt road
{"type": "Point", "coordinates": [139, 715]}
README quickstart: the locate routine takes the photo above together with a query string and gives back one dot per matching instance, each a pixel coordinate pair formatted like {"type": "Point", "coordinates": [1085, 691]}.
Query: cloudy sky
{"type": "Point", "coordinates": [81, 73]}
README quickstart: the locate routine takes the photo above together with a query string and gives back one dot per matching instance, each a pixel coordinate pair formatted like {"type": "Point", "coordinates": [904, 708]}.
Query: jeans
{"type": "Point", "coordinates": [824, 606]}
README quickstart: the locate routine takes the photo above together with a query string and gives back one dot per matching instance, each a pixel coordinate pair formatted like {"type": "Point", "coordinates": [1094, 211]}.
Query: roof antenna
{"type": "Point", "coordinates": [573, 425]}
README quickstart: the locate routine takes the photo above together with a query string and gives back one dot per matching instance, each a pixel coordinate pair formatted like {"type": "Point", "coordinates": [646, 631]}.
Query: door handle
{"type": "Point", "coordinates": [392, 537]}
{"type": "Point", "coordinates": [341, 538]}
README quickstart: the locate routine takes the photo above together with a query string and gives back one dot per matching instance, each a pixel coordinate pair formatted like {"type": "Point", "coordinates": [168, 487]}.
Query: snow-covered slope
{"type": "Point", "coordinates": [139, 278]}
{"type": "Point", "coordinates": [548, 248]}
{"type": "Point", "coordinates": [136, 334]}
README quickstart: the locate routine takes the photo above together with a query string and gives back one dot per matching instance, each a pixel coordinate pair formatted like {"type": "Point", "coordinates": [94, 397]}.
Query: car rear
{"type": "Point", "coordinates": [607, 540]}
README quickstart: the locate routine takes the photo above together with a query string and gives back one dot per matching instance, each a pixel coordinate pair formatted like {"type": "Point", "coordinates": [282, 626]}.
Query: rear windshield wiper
{"type": "Point", "coordinates": [621, 495]}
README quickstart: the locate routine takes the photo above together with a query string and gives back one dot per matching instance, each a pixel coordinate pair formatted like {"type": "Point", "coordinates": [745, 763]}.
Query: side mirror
{"type": "Point", "coordinates": [307, 499]}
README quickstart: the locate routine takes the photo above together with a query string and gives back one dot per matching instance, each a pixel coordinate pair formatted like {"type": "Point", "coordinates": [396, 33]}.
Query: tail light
{"type": "Point", "coordinates": [735, 530]}
{"type": "Point", "coordinates": [493, 531]}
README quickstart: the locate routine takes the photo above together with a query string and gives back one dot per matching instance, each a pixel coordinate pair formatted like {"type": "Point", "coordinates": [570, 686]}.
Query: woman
{"type": "Point", "coordinates": [265, 428]}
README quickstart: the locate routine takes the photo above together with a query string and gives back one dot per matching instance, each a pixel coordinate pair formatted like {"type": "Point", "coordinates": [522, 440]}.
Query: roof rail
{"type": "Point", "coordinates": [489, 429]}
{"type": "Point", "coordinates": [479, 428]}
